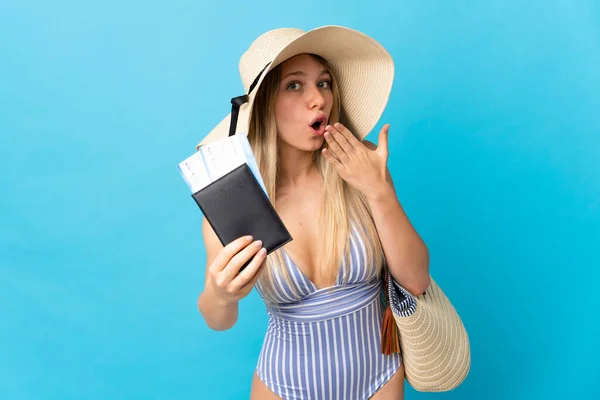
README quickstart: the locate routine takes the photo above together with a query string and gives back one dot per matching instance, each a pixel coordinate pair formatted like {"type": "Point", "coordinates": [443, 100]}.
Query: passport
{"type": "Point", "coordinates": [236, 205]}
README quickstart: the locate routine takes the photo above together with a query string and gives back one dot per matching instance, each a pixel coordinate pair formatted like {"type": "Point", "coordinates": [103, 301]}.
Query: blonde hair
{"type": "Point", "coordinates": [341, 202]}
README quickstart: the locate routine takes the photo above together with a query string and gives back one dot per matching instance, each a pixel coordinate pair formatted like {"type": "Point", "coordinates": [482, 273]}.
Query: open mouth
{"type": "Point", "coordinates": [318, 125]}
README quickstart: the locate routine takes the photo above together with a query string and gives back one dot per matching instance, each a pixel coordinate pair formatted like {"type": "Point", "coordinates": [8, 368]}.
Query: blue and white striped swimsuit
{"type": "Point", "coordinates": [326, 344]}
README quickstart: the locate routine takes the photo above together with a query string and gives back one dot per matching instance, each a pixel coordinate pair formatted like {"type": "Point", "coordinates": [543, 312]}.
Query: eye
{"type": "Point", "coordinates": [325, 84]}
{"type": "Point", "coordinates": [294, 85]}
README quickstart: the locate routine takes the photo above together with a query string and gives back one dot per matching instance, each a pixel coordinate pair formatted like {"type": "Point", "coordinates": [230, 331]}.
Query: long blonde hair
{"type": "Point", "coordinates": [341, 202]}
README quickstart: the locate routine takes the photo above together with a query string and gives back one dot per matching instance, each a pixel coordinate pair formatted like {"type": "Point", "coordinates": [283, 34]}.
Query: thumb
{"type": "Point", "coordinates": [382, 145]}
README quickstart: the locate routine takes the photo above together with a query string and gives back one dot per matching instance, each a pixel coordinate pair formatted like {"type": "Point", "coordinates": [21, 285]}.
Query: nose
{"type": "Point", "coordinates": [315, 98]}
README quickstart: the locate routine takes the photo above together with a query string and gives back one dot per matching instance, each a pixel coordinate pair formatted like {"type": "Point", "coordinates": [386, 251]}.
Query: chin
{"type": "Point", "coordinates": [313, 144]}
{"type": "Point", "coordinates": [316, 143]}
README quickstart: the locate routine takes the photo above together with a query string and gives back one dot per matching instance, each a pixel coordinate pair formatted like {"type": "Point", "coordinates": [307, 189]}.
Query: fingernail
{"type": "Point", "coordinates": [258, 243]}
{"type": "Point", "coordinates": [249, 238]}
{"type": "Point", "coordinates": [263, 252]}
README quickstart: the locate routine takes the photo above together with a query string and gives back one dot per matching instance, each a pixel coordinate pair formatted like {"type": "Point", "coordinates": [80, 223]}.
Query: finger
{"type": "Point", "coordinates": [248, 286]}
{"type": "Point", "coordinates": [334, 146]}
{"type": "Point", "coordinates": [341, 140]}
{"type": "Point", "coordinates": [352, 141]}
{"type": "Point", "coordinates": [330, 157]}
{"type": "Point", "coordinates": [230, 250]}
{"type": "Point", "coordinates": [250, 274]}
{"type": "Point", "coordinates": [236, 263]}
{"type": "Point", "coordinates": [382, 144]}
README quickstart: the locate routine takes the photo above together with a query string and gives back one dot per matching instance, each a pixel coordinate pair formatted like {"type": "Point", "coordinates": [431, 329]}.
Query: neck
{"type": "Point", "coordinates": [296, 167]}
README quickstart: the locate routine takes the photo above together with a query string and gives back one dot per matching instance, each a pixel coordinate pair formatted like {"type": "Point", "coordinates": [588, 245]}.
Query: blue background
{"type": "Point", "coordinates": [495, 136]}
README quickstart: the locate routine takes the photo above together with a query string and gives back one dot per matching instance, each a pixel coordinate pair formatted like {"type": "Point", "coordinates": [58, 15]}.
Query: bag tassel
{"type": "Point", "coordinates": [390, 340]}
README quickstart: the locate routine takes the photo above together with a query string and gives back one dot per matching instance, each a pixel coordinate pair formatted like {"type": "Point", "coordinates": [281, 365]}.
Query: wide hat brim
{"type": "Point", "coordinates": [363, 70]}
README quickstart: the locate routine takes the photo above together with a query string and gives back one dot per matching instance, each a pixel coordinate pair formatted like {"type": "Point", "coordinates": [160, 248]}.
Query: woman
{"type": "Point", "coordinates": [335, 195]}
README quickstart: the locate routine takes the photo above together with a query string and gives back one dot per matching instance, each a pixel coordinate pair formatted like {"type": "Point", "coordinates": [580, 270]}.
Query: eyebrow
{"type": "Point", "coordinates": [300, 73]}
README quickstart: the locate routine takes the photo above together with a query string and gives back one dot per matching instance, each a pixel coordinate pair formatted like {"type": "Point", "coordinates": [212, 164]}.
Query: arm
{"type": "Point", "coordinates": [364, 166]}
{"type": "Point", "coordinates": [218, 313]}
{"type": "Point", "coordinates": [406, 254]}
{"type": "Point", "coordinates": [225, 285]}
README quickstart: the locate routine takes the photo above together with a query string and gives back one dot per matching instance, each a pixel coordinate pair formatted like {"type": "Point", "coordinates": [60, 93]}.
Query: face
{"type": "Point", "coordinates": [303, 103]}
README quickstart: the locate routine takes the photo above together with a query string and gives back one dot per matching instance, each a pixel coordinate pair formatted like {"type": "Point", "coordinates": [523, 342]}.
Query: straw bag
{"type": "Point", "coordinates": [429, 333]}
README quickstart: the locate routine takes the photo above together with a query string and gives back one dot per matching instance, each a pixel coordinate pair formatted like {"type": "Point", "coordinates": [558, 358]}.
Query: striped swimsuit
{"type": "Point", "coordinates": [326, 344]}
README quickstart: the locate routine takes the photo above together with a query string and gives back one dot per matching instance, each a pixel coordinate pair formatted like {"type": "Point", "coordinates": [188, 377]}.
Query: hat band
{"type": "Point", "coordinates": [237, 102]}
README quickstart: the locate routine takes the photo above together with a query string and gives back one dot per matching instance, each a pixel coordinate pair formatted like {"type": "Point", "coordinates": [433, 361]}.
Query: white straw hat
{"type": "Point", "coordinates": [362, 68]}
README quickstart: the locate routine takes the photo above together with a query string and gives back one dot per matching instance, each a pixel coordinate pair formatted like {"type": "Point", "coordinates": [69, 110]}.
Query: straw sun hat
{"type": "Point", "coordinates": [363, 69]}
